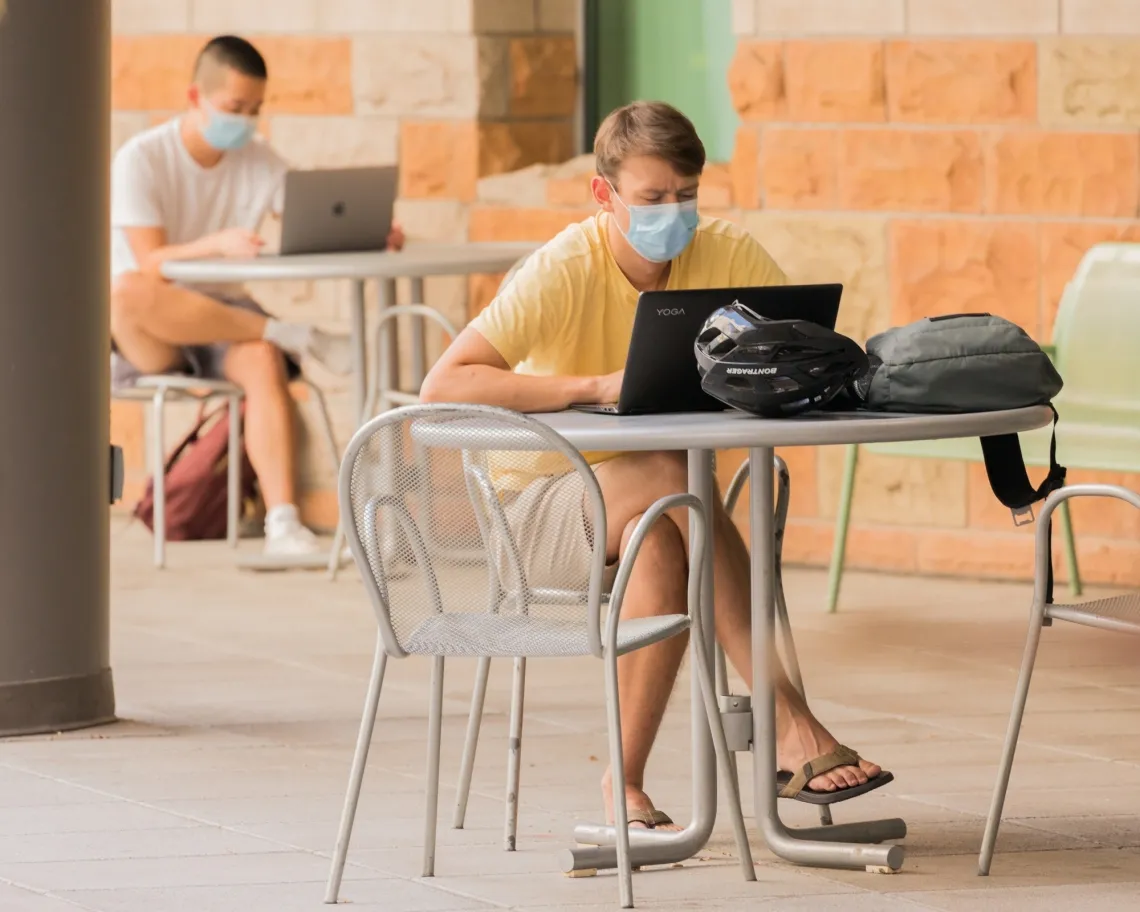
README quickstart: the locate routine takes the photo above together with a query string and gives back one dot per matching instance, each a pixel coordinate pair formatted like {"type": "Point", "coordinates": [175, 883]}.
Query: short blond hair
{"type": "Point", "coordinates": [648, 128]}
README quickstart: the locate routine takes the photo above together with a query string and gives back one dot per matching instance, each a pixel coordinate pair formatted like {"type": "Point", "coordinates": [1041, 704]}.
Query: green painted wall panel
{"type": "Point", "coordinates": [668, 50]}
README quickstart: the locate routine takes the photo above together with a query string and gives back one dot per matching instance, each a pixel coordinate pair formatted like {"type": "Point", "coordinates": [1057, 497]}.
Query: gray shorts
{"type": "Point", "coordinates": [203, 361]}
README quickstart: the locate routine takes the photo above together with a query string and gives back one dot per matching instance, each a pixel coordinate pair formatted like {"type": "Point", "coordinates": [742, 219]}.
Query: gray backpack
{"type": "Point", "coordinates": [968, 363]}
{"type": "Point", "coordinates": [959, 363]}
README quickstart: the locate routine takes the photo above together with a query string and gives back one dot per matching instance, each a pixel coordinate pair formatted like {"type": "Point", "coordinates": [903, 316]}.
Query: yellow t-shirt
{"type": "Point", "coordinates": [569, 310]}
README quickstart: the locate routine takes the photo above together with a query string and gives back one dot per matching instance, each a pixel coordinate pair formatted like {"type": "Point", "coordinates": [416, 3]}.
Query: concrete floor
{"type": "Point", "coordinates": [240, 696]}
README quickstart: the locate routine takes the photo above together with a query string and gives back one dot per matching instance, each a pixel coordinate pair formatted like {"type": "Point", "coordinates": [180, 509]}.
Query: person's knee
{"type": "Point", "coordinates": [661, 473]}
{"type": "Point", "coordinates": [661, 546]}
{"type": "Point", "coordinates": [257, 367]}
{"type": "Point", "coordinates": [133, 296]}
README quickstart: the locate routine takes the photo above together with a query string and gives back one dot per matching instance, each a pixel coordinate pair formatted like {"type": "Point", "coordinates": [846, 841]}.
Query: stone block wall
{"type": "Point", "coordinates": [935, 156]}
{"type": "Point", "coordinates": [451, 90]}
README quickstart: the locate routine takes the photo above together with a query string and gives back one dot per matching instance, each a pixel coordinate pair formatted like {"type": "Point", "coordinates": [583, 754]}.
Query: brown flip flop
{"type": "Point", "coordinates": [795, 786]}
{"type": "Point", "coordinates": [649, 819]}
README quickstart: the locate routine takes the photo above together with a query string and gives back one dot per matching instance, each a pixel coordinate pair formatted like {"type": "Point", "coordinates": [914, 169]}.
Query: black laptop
{"type": "Point", "coordinates": [661, 369]}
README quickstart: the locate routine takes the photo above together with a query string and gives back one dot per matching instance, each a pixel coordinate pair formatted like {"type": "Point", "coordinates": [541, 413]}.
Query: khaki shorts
{"type": "Point", "coordinates": [554, 534]}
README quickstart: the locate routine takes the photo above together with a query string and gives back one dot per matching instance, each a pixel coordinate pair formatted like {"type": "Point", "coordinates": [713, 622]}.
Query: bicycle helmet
{"type": "Point", "coordinates": [773, 368]}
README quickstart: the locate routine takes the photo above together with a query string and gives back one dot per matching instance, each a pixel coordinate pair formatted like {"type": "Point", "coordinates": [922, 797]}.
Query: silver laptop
{"type": "Point", "coordinates": [337, 210]}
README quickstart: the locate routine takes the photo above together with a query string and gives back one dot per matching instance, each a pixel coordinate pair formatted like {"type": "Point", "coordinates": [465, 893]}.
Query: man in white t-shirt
{"type": "Point", "coordinates": [200, 186]}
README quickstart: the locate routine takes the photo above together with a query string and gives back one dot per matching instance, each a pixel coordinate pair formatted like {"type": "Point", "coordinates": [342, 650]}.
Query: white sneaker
{"type": "Point", "coordinates": [285, 536]}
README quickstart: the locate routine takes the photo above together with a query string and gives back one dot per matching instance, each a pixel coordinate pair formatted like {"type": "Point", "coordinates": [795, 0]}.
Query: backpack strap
{"type": "Point", "coordinates": [1005, 468]}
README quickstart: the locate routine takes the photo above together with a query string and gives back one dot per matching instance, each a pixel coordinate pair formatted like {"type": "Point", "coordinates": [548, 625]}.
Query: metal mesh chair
{"type": "Point", "coordinates": [158, 389]}
{"type": "Point", "coordinates": [1120, 613]}
{"type": "Point", "coordinates": [472, 480]}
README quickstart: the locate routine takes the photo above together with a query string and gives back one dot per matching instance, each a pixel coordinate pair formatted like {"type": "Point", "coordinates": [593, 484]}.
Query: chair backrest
{"type": "Point", "coordinates": [1097, 335]}
{"type": "Point", "coordinates": [444, 507]}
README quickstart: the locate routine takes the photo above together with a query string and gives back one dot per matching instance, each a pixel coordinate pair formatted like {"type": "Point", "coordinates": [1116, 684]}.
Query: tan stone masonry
{"type": "Point", "coordinates": [933, 155]}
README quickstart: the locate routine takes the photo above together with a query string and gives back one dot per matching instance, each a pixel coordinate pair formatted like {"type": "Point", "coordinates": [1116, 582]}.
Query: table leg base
{"type": "Point", "coordinates": [596, 847]}
{"type": "Point", "coordinates": [860, 831]}
{"type": "Point", "coordinates": [597, 834]}
{"type": "Point", "coordinates": [580, 860]}
{"type": "Point", "coordinates": [841, 855]}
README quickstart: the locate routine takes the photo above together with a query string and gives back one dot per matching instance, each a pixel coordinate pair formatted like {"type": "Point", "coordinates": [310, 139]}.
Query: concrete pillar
{"type": "Point", "coordinates": [54, 342]}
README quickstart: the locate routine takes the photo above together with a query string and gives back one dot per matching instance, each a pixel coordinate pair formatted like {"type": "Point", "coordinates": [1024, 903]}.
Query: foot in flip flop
{"type": "Point", "coordinates": [816, 768]}
{"type": "Point", "coordinates": [640, 812]}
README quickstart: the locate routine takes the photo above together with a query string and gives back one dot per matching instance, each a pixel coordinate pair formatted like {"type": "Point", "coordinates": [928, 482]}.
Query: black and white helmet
{"type": "Point", "coordinates": [773, 368]}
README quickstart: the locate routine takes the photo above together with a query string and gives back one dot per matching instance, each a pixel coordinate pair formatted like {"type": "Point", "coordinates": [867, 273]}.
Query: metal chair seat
{"type": "Point", "coordinates": [506, 636]}
{"type": "Point", "coordinates": [1120, 613]}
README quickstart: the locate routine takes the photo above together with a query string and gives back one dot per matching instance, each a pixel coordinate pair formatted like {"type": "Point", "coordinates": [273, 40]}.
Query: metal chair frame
{"type": "Point", "coordinates": [602, 638]}
{"type": "Point", "coordinates": [1119, 613]}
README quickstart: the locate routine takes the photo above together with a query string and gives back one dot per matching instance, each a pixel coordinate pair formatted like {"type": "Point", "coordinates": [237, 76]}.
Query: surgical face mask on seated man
{"type": "Point", "coordinates": [225, 131]}
{"type": "Point", "coordinates": [659, 232]}
{"type": "Point", "coordinates": [225, 104]}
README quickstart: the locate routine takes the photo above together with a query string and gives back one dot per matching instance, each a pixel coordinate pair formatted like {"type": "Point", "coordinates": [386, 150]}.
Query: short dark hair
{"type": "Point", "coordinates": [648, 128]}
{"type": "Point", "coordinates": [232, 52]}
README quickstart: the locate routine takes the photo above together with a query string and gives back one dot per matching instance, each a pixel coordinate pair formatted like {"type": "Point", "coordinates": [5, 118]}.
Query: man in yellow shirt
{"type": "Point", "coordinates": [558, 334]}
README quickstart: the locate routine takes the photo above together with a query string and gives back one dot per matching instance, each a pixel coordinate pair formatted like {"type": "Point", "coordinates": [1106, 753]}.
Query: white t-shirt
{"type": "Point", "coordinates": [156, 184]}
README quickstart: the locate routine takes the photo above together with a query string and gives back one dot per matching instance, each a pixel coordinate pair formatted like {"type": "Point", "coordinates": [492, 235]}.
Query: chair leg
{"type": "Point", "coordinates": [1070, 550]}
{"type": "Point", "coordinates": [617, 780]}
{"type": "Point", "coordinates": [839, 549]}
{"type": "Point", "coordinates": [514, 755]}
{"type": "Point", "coordinates": [435, 732]}
{"type": "Point", "coordinates": [471, 742]}
{"type": "Point", "coordinates": [1012, 732]}
{"type": "Point", "coordinates": [725, 758]}
{"type": "Point", "coordinates": [158, 461]}
{"type": "Point", "coordinates": [356, 776]}
{"type": "Point", "coordinates": [233, 474]}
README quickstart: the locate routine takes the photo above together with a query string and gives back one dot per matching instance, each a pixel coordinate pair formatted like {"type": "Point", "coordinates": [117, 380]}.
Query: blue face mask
{"type": "Point", "coordinates": [225, 131]}
{"type": "Point", "coordinates": [661, 231]}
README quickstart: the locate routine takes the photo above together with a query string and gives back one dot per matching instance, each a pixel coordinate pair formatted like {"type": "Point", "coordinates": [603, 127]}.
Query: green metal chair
{"type": "Point", "coordinates": [1095, 342]}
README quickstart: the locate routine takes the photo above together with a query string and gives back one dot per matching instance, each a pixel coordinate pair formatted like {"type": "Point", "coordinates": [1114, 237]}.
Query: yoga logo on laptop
{"type": "Point", "coordinates": [670, 311]}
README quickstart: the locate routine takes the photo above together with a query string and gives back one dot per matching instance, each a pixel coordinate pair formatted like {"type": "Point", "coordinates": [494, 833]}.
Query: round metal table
{"type": "Point", "coordinates": [848, 845]}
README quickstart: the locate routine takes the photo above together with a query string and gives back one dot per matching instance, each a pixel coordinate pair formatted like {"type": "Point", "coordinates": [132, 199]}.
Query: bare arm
{"type": "Point", "coordinates": [151, 250]}
{"type": "Point", "coordinates": [473, 371]}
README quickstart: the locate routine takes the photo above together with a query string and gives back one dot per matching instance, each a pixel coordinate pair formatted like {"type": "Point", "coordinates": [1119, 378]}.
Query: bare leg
{"type": "Point", "coordinates": [151, 319]}
{"type": "Point", "coordinates": [259, 369]}
{"type": "Point", "coordinates": [630, 484]}
{"type": "Point", "coordinates": [645, 677]}
{"type": "Point", "coordinates": [148, 311]}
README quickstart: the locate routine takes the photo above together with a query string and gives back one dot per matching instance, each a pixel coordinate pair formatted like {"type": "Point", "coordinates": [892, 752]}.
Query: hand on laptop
{"type": "Point", "coordinates": [609, 387]}
{"type": "Point", "coordinates": [396, 237]}
{"type": "Point", "coordinates": [237, 243]}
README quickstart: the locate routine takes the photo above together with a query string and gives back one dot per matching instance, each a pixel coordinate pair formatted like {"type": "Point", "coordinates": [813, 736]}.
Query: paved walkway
{"type": "Point", "coordinates": [240, 696]}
